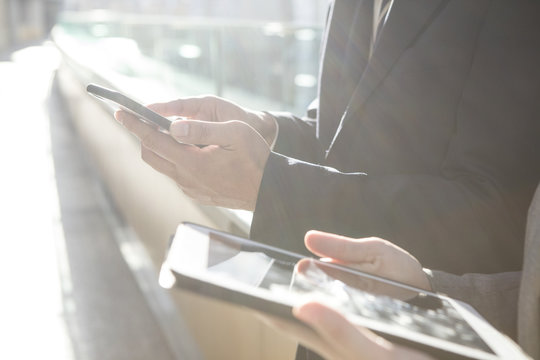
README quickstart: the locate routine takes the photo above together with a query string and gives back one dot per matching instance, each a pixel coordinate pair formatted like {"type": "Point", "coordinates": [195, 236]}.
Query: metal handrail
{"type": "Point", "coordinates": [177, 21]}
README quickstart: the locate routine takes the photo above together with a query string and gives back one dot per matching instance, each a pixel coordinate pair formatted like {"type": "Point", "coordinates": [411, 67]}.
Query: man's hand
{"type": "Point", "coordinates": [335, 338]}
{"type": "Point", "coordinates": [225, 171]}
{"type": "Point", "coordinates": [332, 336]}
{"type": "Point", "coordinates": [215, 109]}
{"type": "Point", "coordinates": [372, 255]}
{"type": "Point", "coordinates": [329, 333]}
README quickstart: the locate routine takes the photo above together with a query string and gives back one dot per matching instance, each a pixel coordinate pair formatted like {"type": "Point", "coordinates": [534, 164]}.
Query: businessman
{"type": "Point", "coordinates": [424, 134]}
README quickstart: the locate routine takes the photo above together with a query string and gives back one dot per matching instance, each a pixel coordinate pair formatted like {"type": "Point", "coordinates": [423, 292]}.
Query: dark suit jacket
{"type": "Point", "coordinates": [510, 301]}
{"type": "Point", "coordinates": [430, 142]}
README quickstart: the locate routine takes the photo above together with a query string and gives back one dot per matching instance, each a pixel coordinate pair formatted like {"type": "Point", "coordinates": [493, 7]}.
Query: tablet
{"type": "Point", "coordinates": [120, 101]}
{"type": "Point", "coordinates": [271, 280]}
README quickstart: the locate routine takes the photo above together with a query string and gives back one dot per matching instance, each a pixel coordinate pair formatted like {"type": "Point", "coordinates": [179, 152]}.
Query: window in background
{"type": "Point", "coordinates": [261, 54]}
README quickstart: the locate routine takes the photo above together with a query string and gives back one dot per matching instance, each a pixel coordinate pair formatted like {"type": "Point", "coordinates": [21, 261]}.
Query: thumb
{"type": "Point", "coordinates": [341, 248]}
{"type": "Point", "coordinates": [205, 132]}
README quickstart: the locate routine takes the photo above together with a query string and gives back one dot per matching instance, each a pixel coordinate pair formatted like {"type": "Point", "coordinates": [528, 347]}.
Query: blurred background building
{"type": "Point", "coordinates": [23, 21]}
{"type": "Point", "coordinates": [26, 20]}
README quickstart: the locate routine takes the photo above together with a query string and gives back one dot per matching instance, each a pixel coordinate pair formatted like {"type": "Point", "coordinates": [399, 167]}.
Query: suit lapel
{"type": "Point", "coordinates": [406, 22]}
{"type": "Point", "coordinates": [330, 69]}
{"type": "Point", "coordinates": [334, 47]}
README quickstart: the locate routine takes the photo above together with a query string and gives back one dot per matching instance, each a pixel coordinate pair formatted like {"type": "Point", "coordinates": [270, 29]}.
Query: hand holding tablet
{"type": "Point", "coordinates": [274, 281]}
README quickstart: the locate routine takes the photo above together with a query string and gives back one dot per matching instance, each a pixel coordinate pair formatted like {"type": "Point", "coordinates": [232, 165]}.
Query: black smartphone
{"type": "Point", "coordinates": [121, 101]}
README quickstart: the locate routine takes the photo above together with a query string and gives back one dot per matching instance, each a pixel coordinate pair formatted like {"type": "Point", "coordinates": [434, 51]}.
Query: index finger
{"type": "Point", "coordinates": [158, 142]}
{"type": "Point", "coordinates": [298, 332]}
{"type": "Point", "coordinates": [349, 341]}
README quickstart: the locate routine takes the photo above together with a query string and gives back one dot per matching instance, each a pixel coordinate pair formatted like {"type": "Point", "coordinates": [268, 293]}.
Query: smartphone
{"type": "Point", "coordinates": [121, 101]}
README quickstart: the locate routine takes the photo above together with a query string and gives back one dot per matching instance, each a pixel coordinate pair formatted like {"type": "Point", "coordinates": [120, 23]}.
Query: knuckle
{"type": "Point", "coordinates": [148, 140]}
{"type": "Point", "coordinates": [197, 195]}
{"type": "Point", "coordinates": [208, 100]}
{"type": "Point", "coordinates": [187, 188]}
{"type": "Point", "coordinates": [202, 133]}
{"type": "Point", "coordinates": [336, 330]}
{"type": "Point", "coordinates": [376, 242]}
{"type": "Point", "coordinates": [238, 125]}
{"type": "Point", "coordinates": [239, 130]}
{"type": "Point", "coordinates": [126, 121]}
{"type": "Point", "coordinates": [145, 153]}
{"type": "Point", "coordinates": [187, 191]}
{"type": "Point", "coordinates": [210, 97]}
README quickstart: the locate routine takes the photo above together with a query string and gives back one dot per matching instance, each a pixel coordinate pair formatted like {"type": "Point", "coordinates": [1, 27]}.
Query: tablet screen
{"type": "Point", "coordinates": [274, 275]}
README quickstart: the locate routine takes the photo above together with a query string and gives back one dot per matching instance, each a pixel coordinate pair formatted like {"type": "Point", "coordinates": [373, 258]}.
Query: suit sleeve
{"type": "Point", "coordinates": [494, 296]}
{"type": "Point", "coordinates": [447, 224]}
{"type": "Point", "coordinates": [297, 137]}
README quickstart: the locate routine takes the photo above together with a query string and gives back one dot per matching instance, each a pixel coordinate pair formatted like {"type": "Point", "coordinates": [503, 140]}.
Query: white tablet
{"type": "Point", "coordinates": [272, 280]}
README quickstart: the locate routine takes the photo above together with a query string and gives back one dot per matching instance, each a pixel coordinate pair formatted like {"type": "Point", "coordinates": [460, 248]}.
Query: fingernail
{"type": "Point", "coordinates": [300, 313]}
{"type": "Point", "coordinates": [118, 115]}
